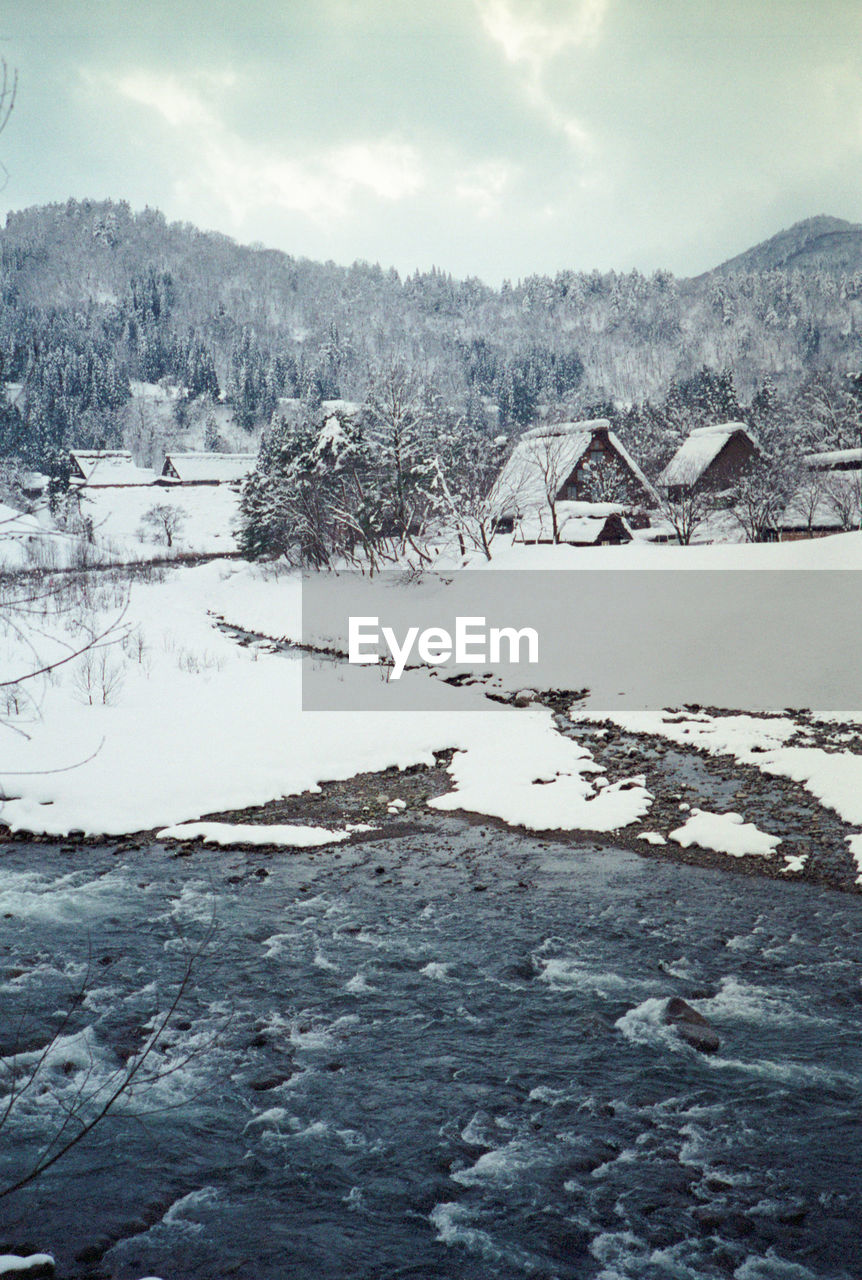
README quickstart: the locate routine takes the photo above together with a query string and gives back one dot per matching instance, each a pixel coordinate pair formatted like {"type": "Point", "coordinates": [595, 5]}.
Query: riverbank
{"type": "Point", "coordinates": [379, 805]}
{"type": "Point", "coordinates": [179, 718]}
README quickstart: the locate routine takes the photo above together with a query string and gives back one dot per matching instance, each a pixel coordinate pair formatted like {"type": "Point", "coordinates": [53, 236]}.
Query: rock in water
{"type": "Point", "coordinates": [691, 1026]}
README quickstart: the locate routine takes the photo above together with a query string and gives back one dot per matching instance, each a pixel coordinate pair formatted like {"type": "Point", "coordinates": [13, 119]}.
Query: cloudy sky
{"type": "Point", "coordinates": [489, 137]}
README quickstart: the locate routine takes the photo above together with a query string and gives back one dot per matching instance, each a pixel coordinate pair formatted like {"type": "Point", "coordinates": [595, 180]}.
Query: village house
{"type": "Point", "coordinates": [574, 479]}
{"type": "Point", "coordinates": [711, 457]}
{"type": "Point", "coordinates": [107, 469]}
{"type": "Point", "coordinates": [207, 468]}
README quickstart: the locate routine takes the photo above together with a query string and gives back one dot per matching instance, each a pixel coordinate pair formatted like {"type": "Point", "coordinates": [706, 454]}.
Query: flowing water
{"type": "Point", "coordinates": [437, 1055]}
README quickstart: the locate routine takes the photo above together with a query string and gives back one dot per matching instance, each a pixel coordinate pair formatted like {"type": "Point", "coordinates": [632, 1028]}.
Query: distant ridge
{"type": "Point", "coordinates": [117, 296]}
{"type": "Point", "coordinates": [815, 244]}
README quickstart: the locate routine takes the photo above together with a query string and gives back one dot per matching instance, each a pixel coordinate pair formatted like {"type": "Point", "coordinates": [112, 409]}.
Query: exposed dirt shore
{"type": "Point", "coordinates": [394, 802]}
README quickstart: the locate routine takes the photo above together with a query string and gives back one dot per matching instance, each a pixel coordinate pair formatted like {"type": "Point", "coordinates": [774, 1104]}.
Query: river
{"type": "Point", "coordinates": [436, 1055]}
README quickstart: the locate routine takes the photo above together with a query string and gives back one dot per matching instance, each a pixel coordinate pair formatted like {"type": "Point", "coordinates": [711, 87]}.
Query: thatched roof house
{"type": "Point", "coordinates": [568, 462]}
{"type": "Point", "coordinates": [207, 468]}
{"type": "Point", "coordinates": [711, 457]}
{"type": "Point", "coordinates": [107, 469]}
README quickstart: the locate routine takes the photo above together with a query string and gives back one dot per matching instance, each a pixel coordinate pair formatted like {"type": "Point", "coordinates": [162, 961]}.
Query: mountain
{"type": "Point", "coordinates": [815, 244]}
{"type": "Point", "coordinates": [95, 297]}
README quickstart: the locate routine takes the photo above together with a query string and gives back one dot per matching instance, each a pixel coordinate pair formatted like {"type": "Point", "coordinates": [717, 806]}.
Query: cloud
{"type": "Point", "coordinates": [528, 37]}
{"type": "Point", "coordinates": [483, 186]}
{"type": "Point", "coordinates": [532, 39]}
{"type": "Point", "coordinates": [243, 176]}
{"type": "Point", "coordinates": [390, 169]}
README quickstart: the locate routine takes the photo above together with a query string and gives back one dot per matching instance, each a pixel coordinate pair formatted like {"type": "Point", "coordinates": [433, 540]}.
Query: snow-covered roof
{"type": "Point", "coordinates": [349, 408]}
{"type": "Point", "coordinates": [153, 391]}
{"type": "Point", "coordinates": [578, 523]}
{"type": "Point", "coordinates": [104, 468]}
{"type": "Point", "coordinates": [545, 457]}
{"type": "Point", "coordinates": [834, 458]}
{"type": "Point", "coordinates": [208, 468]}
{"type": "Point", "coordinates": [699, 451]}
{"type": "Point", "coordinates": [589, 426]}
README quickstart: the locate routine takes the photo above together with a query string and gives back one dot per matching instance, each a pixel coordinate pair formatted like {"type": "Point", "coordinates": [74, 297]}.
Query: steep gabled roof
{"type": "Point", "coordinates": [208, 468]}
{"type": "Point", "coordinates": [699, 451]}
{"type": "Point", "coordinates": [545, 457]}
{"type": "Point", "coordinates": [106, 468]}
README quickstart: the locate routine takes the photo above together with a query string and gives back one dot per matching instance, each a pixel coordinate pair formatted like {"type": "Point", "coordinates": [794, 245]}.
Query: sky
{"type": "Point", "coordinates": [491, 138]}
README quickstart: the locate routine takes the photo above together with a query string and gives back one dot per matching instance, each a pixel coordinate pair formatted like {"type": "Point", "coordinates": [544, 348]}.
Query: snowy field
{"type": "Point", "coordinates": [168, 718]}
{"type": "Point", "coordinates": [205, 515]}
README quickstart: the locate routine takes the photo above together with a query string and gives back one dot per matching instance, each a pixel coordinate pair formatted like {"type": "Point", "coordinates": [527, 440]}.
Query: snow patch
{"type": "Point", "coordinates": [725, 833]}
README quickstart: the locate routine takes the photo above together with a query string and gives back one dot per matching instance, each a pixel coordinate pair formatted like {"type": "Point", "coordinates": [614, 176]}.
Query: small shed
{"type": "Point", "coordinates": [107, 469]}
{"type": "Point", "coordinates": [710, 457]}
{"type": "Point", "coordinates": [579, 524]}
{"type": "Point", "coordinates": [207, 468]}
{"type": "Point", "coordinates": [34, 485]}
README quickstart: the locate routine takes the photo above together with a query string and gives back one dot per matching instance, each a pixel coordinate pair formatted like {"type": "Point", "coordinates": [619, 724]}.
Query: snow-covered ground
{"type": "Point", "coordinates": [169, 719]}
{"type": "Point", "coordinates": [207, 518]}
{"type": "Point", "coordinates": [724, 833]}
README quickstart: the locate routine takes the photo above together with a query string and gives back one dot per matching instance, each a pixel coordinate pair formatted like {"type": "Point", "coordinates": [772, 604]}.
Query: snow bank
{"type": "Point", "coordinates": [725, 833]}
{"type": "Point", "coordinates": [195, 723]}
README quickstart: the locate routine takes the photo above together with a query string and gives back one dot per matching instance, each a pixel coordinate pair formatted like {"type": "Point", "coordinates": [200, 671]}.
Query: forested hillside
{"type": "Point", "coordinates": [96, 297]}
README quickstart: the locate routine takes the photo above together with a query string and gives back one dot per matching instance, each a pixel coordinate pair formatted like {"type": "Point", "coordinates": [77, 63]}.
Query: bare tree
{"type": "Point", "coordinates": [164, 522]}
{"type": "Point", "coordinates": [548, 457]}
{"type": "Point", "coordinates": [761, 494]}
{"type": "Point", "coordinates": [687, 508]}
{"type": "Point", "coordinates": [397, 420]}
{"type": "Point", "coordinates": [809, 497]}
{"type": "Point", "coordinates": [8, 94]}
{"type": "Point", "coordinates": [843, 497]}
